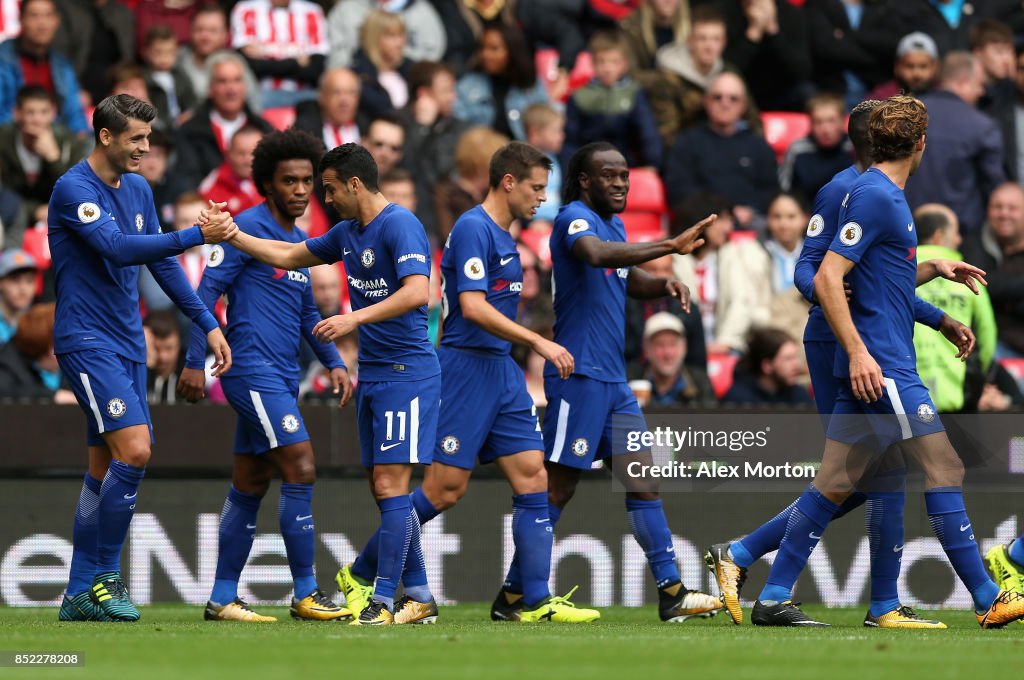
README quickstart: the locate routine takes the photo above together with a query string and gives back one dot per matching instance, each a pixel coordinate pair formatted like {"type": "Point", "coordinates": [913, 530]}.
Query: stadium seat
{"type": "Point", "coordinates": [646, 212]}
{"type": "Point", "coordinates": [539, 241]}
{"type": "Point", "coordinates": [89, 110]}
{"type": "Point", "coordinates": [281, 117]}
{"type": "Point", "coordinates": [720, 370]}
{"type": "Point", "coordinates": [1014, 367]}
{"type": "Point", "coordinates": [546, 61]}
{"type": "Point", "coordinates": [782, 128]}
{"type": "Point", "coordinates": [740, 235]}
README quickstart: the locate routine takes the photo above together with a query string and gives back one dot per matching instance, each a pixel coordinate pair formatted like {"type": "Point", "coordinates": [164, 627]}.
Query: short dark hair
{"type": "Point", "coordinates": [930, 222]}
{"type": "Point", "coordinates": [114, 112]}
{"type": "Point", "coordinates": [209, 9]}
{"type": "Point", "coordinates": [161, 139]}
{"type": "Point", "coordinates": [247, 129]}
{"type": "Point", "coordinates": [990, 32]}
{"type": "Point", "coordinates": [579, 163]}
{"type": "Point", "coordinates": [160, 32]}
{"type": "Point", "coordinates": [764, 344]}
{"type": "Point", "coordinates": [858, 125]}
{"type": "Point", "coordinates": [33, 93]}
{"type": "Point", "coordinates": [516, 159]}
{"type": "Point", "coordinates": [162, 323]}
{"type": "Point", "coordinates": [696, 208]}
{"type": "Point", "coordinates": [26, 3]}
{"type": "Point", "coordinates": [291, 144]}
{"type": "Point", "coordinates": [351, 160]}
{"type": "Point", "coordinates": [396, 175]}
{"type": "Point", "coordinates": [706, 14]}
{"type": "Point", "coordinates": [422, 74]}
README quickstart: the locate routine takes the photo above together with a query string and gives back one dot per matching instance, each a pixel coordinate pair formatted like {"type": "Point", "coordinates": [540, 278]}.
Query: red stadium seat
{"type": "Point", "coordinates": [89, 110]}
{"type": "Point", "coordinates": [720, 370]}
{"type": "Point", "coordinates": [782, 128]}
{"type": "Point", "coordinates": [546, 61]}
{"type": "Point", "coordinates": [646, 214]}
{"type": "Point", "coordinates": [281, 117]}
{"type": "Point", "coordinates": [1014, 367]}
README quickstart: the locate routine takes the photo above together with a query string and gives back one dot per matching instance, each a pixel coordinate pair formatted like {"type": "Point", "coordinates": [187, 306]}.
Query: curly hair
{"type": "Point", "coordinates": [895, 128]}
{"type": "Point", "coordinates": [291, 144]}
{"type": "Point", "coordinates": [858, 125]}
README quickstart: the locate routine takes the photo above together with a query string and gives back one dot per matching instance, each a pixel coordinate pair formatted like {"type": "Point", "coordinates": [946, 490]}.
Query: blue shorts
{"type": "Point", "coordinates": [268, 413]}
{"type": "Point", "coordinates": [905, 411]}
{"type": "Point", "coordinates": [398, 421]}
{"type": "Point", "coordinates": [110, 389]}
{"type": "Point", "coordinates": [486, 411]}
{"type": "Point", "coordinates": [821, 362]}
{"type": "Point", "coordinates": [578, 421]}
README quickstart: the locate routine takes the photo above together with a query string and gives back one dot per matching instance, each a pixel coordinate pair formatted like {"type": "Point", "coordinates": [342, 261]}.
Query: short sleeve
{"type": "Point", "coordinates": [409, 247]}
{"type": "Point", "coordinates": [328, 247]}
{"type": "Point", "coordinates": [861, 224]}
{"type": "Point", "coordinates": [577, 229]}
{"type": "Point", "coordinates": [470, 252]}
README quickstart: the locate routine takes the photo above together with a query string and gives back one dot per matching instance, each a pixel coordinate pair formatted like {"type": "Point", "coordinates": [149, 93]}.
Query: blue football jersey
{"type": "Point", "coordinates": [479, 255]}
{"type": "Point", "coordinates": [877, 233]}
{"type": "Point", "coordinates": [590, 302]}
{"type": "Point", "coordinates": [269, 309]}
{"type": "Point", "coordinates": [377, 257]}
{"type": "Point", "coordinates": [93, 236]}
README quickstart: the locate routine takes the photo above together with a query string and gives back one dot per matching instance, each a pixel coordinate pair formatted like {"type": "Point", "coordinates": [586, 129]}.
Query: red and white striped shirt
{"type": "Point", "coordinates": [10, 25]}
{"type": "Point", "coordinates": [298, 30]}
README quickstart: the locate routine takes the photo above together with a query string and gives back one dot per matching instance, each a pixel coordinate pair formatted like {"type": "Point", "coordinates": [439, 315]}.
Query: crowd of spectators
{"type": "Point", "coordinates": [690, 91]}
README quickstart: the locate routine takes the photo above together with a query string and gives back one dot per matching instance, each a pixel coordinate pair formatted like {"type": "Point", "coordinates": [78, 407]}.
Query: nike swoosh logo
{"type": "Point", "coordinates": [962, 528]}
{"type": "Point", "coordinates": [505, 260]}
{"type": "Point", "coordinates": [345, 251]}
{"type": "Point", "coordinates": [128, 498]}
{"type": "Point", "coordinates": [541, 521]}
{"type": "Point", "coordinates": [250, 526]}
{"type": "Point", "coordinates": [384, 448]}
{"type": "Point", "coordinates": [897, 548]}
{"type": "Point", "coordinates": [299, 519]}
{"type": "Point", "coordinates": [813, 536]}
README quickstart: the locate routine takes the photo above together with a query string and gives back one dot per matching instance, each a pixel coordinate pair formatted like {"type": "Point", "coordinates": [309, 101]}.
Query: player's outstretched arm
{"type": "Point", "coordinates": [643, 286]}
{"type": "Point", "coordinates": [598, 253]}
{"type": "Point", "coordinates": [478, 310]}
{"type": "Point", "coordinates": [278, 254]}
{"type": "Point", "coordinates": [413, 293]}
{"type": "Point", "coordinates": [865, 374]}
{"type": "Point", "coordinates": [954, 270]}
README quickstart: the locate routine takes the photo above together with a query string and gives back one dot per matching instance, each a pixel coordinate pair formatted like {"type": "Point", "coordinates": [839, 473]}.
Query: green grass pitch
{"type": "Point", "coordinates": [172, 641]}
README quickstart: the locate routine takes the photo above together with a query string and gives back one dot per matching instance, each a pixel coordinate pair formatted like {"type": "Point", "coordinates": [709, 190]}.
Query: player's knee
{"type": "Point", "coordinates": [136, 455]}
{"type": "Point", "coordinates": [534, 479]}
{"type": "Point", "coordinates": [559, 494]}
{"type": "Point", "coordinates": [302, 471]}
{"type": "Point", "coordinates": [448, 496]}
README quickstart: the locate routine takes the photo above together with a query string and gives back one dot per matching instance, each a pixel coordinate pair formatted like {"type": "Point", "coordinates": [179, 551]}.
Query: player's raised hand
{"type": "Point", "coordinates": [958, 334]}
{"type": "Point", "coordinates": [691, 239]}
{"type": "Point", "coordinates": [342, 384]}
{"type": "Point", "coordinates": [678, 289]}
{"type": "Point", "coordinates": [557, 355]}
{"type": "Point", "coordinates": [961, 272]}
{"type": "Point", "coordinates": [335, 327]}
{"type": "Point", "coordinates": [866, 377]}
{"type": "Point", "coordinates": [221, 352]}
{"type": "Point", "coordinates": [192, 385]}
{"type": "Point", "coordinates": [216, 223]}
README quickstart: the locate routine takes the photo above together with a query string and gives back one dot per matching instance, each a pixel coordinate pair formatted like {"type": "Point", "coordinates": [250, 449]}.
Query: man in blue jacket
{"type": "Point", "coordinates": [30, 60]}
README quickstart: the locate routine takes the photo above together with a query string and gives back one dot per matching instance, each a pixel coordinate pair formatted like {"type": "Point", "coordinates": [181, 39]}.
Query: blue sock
{"type": "Point", "coordinates": [365, 564]}
{"type": "Point", "coordinates": [414, 576]}
{"type": "Point", "coordinates": [234, 541]}
{"type": "Point", "coordinates": [534, 538]}
{"type": "Point", "coordinates": [1017, 551]}
{"type": "Point", "coordinates": [295, 512]}
{"type": "Point", "coordinates": [85, 538]}
{"type": "Point", "coordinates": [883, 519]}
{"type": "Point", "coordinates": [949, 521]}
{"type": "Point", "coordinates": [650, 529]}
{"type": "Point", "coordinates": [767, 537]}
{"type": "Point", "coordinates": [807, 521]}
{"type": "Point", "coordinates": [514, 578]}
{"type": "Point", "coordinates": [118, 494]}
{"type": "Point", "coordinates": [393, 546]}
